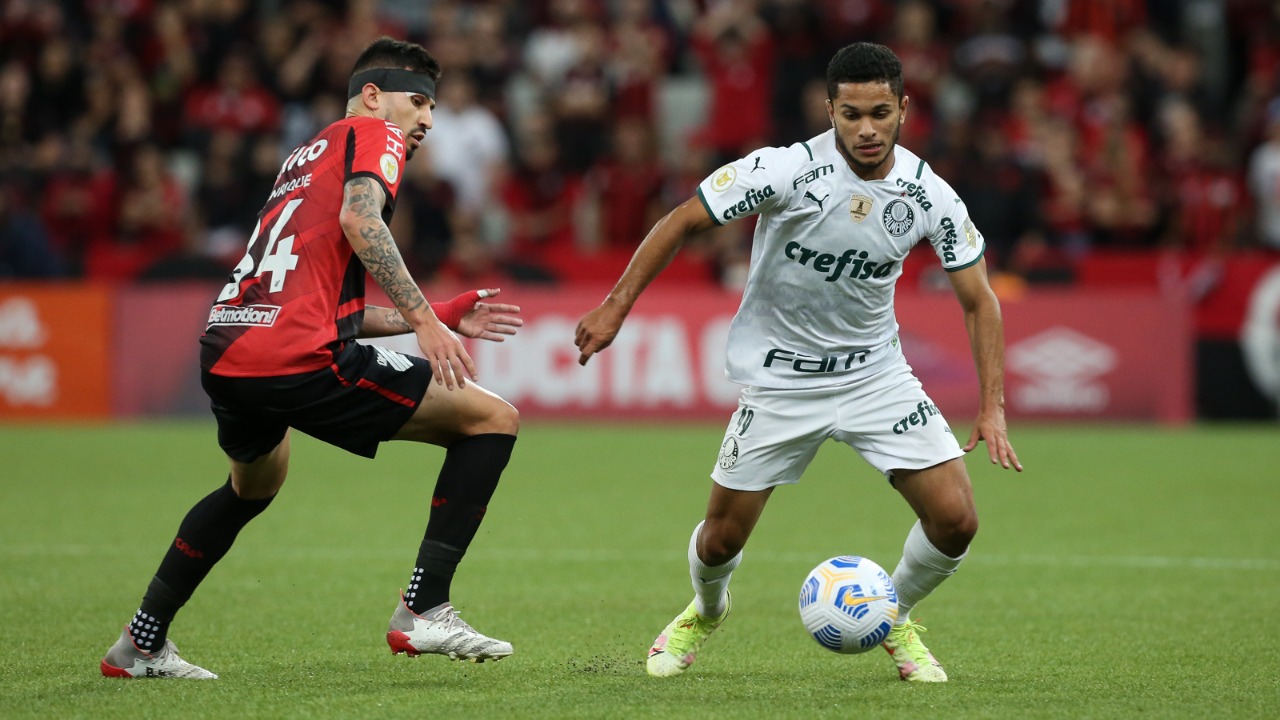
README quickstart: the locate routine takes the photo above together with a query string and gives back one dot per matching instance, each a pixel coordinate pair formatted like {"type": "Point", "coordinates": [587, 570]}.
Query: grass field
{"type": "Point", "coordinates": [1129, 572]}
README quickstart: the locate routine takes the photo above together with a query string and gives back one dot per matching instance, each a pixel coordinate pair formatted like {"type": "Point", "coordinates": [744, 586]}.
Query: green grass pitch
{"type": "Point", "coordinates": [1129, 572]}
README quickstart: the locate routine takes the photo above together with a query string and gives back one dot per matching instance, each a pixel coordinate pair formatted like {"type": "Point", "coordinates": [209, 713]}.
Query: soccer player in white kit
{"type": "Point", "coordinates": [815, 343]}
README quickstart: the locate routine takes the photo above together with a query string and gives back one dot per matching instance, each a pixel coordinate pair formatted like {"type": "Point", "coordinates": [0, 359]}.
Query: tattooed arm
{"type": "Point", "coordinates": [361, 221]}
{"type": "Point", "coordinates": [382, 321]}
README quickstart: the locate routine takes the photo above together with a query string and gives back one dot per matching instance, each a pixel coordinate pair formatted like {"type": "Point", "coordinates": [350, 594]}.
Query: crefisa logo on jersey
{"type": "Point", "coordinates": [898, 218]}
{"type": "Point", "coordinates": [252, 315]}
{"type": "Point", "coordinates": [750, 199]}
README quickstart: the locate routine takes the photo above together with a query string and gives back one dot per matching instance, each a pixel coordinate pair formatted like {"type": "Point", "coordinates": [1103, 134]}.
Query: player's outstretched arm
{"type": "Point", "coordinates": [464, 314]}
{"type": "Point", "coordinates": [370, 238]}
{"type": "Point", "coordinates": [598, 328]}
{"type": "Point", "coordinates": [485, 321]}
{"type": "Point", "coordinates": [986, 339]}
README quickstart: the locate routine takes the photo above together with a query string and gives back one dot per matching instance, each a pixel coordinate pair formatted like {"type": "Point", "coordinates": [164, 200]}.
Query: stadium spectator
{"type": "Point", "coordinates": [541, 199]}
{"type": "Point", "coordinates": [236, 101]}
{"type": "Point", "coordinates": [925, 62]}
{"type": "Point", "coordinates": [75, 202]}
{"type": "Point", "coordinates": [1264, 181]}
{"type": "Point", "coordinates": [811, 374]}
{"type": "Point", "coordinates": [302, 369]}
{"type": "Point", "coordinates": [427, 218]}
{"type": "Point", "coordinates": [167, 73]}
{"type": "Point", "coordinates": [468, 145]}
{"type": "Point", "coordinates": [25, 252]}
{"type": "Point", "coordinates": [1204, 199]}
{"type": "Point", "coordinates": [148, 214]}
{"type": "Point", "coordinates": [1003, 200]}
{"type": "Point", "coordinates": [642, 51]}
{"type": "Point", "coordinates": [580, 101]}
{"type": "Point", "coordinates": [735, 51]}
{"type": "Point", "coordinates": [623, 193]}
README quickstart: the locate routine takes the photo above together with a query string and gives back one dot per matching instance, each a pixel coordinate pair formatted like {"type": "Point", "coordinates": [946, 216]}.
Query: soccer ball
{"type": "Point", "coordinates": [848, 604]}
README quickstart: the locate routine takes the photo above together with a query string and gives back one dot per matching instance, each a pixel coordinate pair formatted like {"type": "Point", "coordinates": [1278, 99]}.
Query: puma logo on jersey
{"type": "Point", "coordinates": [758, 166]}
{"type": "Point", "coordinates": [860, 268]}
{"type": "Point", "coordinates": [814, 198]}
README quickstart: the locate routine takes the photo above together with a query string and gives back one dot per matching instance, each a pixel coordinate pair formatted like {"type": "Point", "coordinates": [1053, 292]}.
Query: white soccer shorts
{"type": "Point", "coordinates": [887, 418]}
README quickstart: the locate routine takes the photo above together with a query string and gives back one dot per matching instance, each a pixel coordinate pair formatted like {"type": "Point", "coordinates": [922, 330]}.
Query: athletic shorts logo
{"type": "Point", "coordinates": [390, 167]}
{"type": "Point", "coordinates": [860, 207]}
{"type": "Point", "coordinates": [898, 218]}
{"type": "Point", "coordinates": [251, 315]}
{"type": "Point", "coordinates": [391, 359]}
{"type": "Point", "coordinates": [728, 453]}
{"type": "Point", "coordinates": [724, 178]}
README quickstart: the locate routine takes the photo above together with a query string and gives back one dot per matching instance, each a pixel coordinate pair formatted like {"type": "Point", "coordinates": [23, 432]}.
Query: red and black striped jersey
{"type": "Point", "coordinates": [298, 293]}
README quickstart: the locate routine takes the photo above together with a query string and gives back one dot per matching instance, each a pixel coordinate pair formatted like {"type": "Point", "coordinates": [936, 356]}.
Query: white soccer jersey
{"type": "Point", "coordinates": [828, 249]}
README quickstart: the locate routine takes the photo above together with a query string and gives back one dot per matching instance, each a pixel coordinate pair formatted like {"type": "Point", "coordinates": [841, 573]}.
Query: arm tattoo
{"type": "Point", "coordinates": [396, 321]}
{"type": "Point", "coordinates": [381, 258]}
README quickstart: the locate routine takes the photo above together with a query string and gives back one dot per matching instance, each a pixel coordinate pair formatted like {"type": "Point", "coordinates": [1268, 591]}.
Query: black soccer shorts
{"type": "Point", "coordinates": [362, 400]}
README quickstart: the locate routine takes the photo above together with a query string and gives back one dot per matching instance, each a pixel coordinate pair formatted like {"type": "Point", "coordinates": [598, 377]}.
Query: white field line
{"type": "Point", "coordinates": [605, 555]}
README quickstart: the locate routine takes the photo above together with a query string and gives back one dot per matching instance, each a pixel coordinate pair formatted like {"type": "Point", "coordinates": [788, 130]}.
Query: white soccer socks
{"type": "Point", "coordinates": [922, 569]}
{"type": "Point", "coordinates": [710, 582]}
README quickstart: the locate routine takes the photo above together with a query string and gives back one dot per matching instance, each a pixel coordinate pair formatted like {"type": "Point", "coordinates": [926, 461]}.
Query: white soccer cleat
{"type": "Point", "coordinates": [440, 631]}
{"type": "Point", "coordinates": [125, 660]}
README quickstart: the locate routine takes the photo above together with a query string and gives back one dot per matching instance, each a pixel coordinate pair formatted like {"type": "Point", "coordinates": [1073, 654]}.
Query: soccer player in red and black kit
{"type": "Point", "coordinates": [280, 352]}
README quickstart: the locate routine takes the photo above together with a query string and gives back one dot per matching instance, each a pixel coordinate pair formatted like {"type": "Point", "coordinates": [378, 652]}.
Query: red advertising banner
{"type": "Point", "coordinates": [1103, 354]}
{"type": "Point", "coordinates": [1069, 355]}
{"type": "Point", "coordinates": [1118, 355]}
{"type": "Point", "coordinates": [158, 348]}
{"type": "Point", "coordinates": [55, 354]}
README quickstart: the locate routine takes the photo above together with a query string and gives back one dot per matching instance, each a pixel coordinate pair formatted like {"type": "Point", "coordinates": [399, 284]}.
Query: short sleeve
{"type": "Point", "coordinates": [951, 231]}
{"type": "Point", "coordinates": [378, 151]}
{"type": "Point", "coordinates": [752, 185]}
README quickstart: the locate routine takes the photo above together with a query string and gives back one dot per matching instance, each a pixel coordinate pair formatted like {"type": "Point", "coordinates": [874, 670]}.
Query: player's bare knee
{"type": "Point", "coordinates": [717, 548]}
{"type": "Point", "coordinates": [502, 419]}
{"type": "Point", "coordinates": [952, 533]}
{"type": "Point", "coordinates": [257, 485]}
{"type": "Point", "coordinates": [965, 528]}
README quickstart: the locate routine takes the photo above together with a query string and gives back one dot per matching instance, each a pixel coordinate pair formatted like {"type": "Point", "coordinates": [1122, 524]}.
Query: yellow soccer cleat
{"type": "Point", "coordinates": [678, 645]}
{"type": "Point", "coordinates": [915, 662]}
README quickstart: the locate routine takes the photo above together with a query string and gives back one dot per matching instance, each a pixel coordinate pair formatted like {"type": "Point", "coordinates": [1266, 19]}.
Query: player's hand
{"type": "Point", "coordinates": [990, 426]}
{"type": "Point", "coordinates": [490, 321]}
{"type": "Point", "coordinates": [597, 329]}
{"type": "Point", "coordinates": [450, 364]}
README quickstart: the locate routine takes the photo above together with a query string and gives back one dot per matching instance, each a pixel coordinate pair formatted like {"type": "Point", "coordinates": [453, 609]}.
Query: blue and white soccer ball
{"type": "Point", "coordinates": [848, 604]}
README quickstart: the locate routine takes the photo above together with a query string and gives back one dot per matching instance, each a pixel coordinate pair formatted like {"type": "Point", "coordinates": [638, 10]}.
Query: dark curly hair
{"type": "Point", "coordinates": [864, 62]}
{"type": "Point", "coordinates": [386, 52]}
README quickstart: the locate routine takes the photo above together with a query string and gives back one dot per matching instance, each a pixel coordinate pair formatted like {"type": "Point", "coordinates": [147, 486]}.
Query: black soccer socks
{"type": "Point", "coordinates": [205, 535]}
{"type": "Point", "coordinates": [468, 478]}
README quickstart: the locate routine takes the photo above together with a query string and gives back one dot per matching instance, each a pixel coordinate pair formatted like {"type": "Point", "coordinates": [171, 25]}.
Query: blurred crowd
{"type": "Point", "coordinates": [139, 138]}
